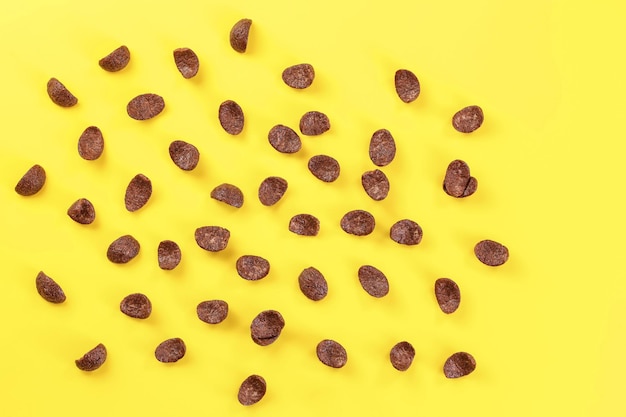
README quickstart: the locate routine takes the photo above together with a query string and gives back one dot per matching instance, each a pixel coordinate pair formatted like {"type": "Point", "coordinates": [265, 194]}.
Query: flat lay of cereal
{"type": "Point", "coordinates": [283, 208]}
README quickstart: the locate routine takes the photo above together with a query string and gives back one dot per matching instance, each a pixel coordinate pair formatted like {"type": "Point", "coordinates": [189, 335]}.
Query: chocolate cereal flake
{"type": "Point", "coordinates": [358, 222]}
{"type": "Point", "coordinates": [299, 76]}
{"type": "Point", "coordinates": [313, 284]}
{"type": "Point", "coordinates": [324, 168]}
{"type": "Point", "coordinates": [382, 148]}
{"type": "Point", "coordinates": [272, 190]}
{"type": "Point", "coordinates": [373, 281]}
{"type": "Point", "coordinates": [145, 106]}
{"type": "Point", "coordinates": [331, 353]}
{"type": "Point", "coordinates": [213, 311]}
{"type": "Point", "coordinates": [184, 155]}
{"type": "Point", "coordinates": [123, 249]}
{"type": "Point", "coordinates": [468, 119]}
{"type": "Point", "coordinates": [491, 253]}
{"type": "Point", "coordinates": [91, 143]}
{"type": "Point", "coordinates": [458, 365]}
{"type": "Point", "coordinates": [186, 61]}
{"type": "Point", "coordinates": [170, 350]}
{"type": "Point", "coordinates": [314, 123]}
{"type": "Point", "coordinates": [448, 295]}
{"type": "Point", "coordinates": [458, 182]}
{"type": "Point", "coordinates": [402, 355]}
{"type": "Point", "coordinates": [375, 184]}
{"type": "Point", "coordinates": [252, 268]}
{"type": "Point", "coordinates": [82, 211]}
{"type": "Point", "coordinates": [212, 238]}
{"type": "Point", "coordinates": [252, 390]}
{"type": "Point", "coordinates": [49, 289]}
{"type": "Point", "coordinates": [239, 35]}
{"type": "Point", "coordinates": [407, 85]}
{"type": "Point", "coordinates": [229, 194]}
{"type": "Point", "coordinates": [136, 305]}
{"type": "Point", "coordinates": [304, 225]}
{"type": "Point", "coordinates": [59, 94]}
{"type": "Point", "coordinates": [93, 359]}
{"type": "Point", "coordinates": [266, 327]}
{"type": "Point", "coordinates": [116, 60]}
{"type": "Point", "coordinates": [138, 192]}
{"type": "Point", "coordinates": [31, 182]}
{"type": "Point", "coordinates": [406, 232]}
{"type": "Point", "coordinates": [168, 255]}
{"type": "Point", "coordinates": [231, 117]}
{"type": "Point", "coordinates": [284, 139]}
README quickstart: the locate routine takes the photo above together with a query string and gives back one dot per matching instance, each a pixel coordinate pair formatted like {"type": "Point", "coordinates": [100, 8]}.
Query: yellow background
{"type": "Point", "coordinates": [547, 329]}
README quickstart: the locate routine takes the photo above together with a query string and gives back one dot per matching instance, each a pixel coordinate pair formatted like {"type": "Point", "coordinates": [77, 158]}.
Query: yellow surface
{"type": "Point", "coordinates": [547, 329]}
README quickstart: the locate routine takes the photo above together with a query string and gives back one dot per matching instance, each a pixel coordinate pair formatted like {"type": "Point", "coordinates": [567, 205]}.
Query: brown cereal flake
{"type": "Point", "coordinates": [145, 106]}
{"type": "Point", "coordinates": [82, 211]}
{"type": "Point", "coordinates": [468, 119]}
{"type": "Point", "coordinates": [458, 182]}
{"type": "Point", "coordinates": [375, 184]}
{"type": "Point", "coordinates": [324, 168]}
{"type": "Point", "coordinates": [407, 85]}
{"type": "Point", "coordinates": [284, 139]}
{"type": "Point", "coordinates": [382, 148]}
{"type": "Point", "coordinates": [458, 365]}
{"type": "Point", "coordinates": [406, 232]}
{"type": "Point", "coordinates": [231, 117]}
{"type": "Point", "coordinates": [91, 143]}
{"type": "Point", "coordinates": [93, 359]}
{"type": "Point", "coordinates": [373, 281]}
{"type": "Point", "coordinates": [299, 76]}
{"type": "Point", "coordinates": [239, 35]}
{"type": "Point", "coordinates": [447, 294]}
{"type": "Point", "coordinates": [213, 311]}
{"type": "Point", "coordinates": [212, 238]}
{"type": "Point", "coordinates": [184, 155]}
{"type": "Point", "coordinates": [123, 249]}
{"type": "Point", "coordinates": [313, 284]}
{"type": "Point", "coordinates": [168, 255]}
{"type": "Point", "coordinates": [491, 253]}
{"type": "Point", "coordinates": [186, 61]}
{"type": "Point", "coordinates": [314, 123]}
{"type": "Point", "coordinates": [136, 305]}
{"type": "Point", "coordinates": [402, 355]}
{"type": "Point", "coordinates": [138, 192]}
{"type": "Point", "coordinates": [49, 289]}
{"type": "Point", "coordinates": [358, 223]}
{"type": "Point", "coordinates": [59, 94]}
{"type": "Point", "coordinates": [304, 225]}
{"type": "Point", "coordinates": [31, 182]}
{"type": "Point", "coordinates": [272, 190]}
{"type": "Point", "coordinates": [252, 268]}
{"type": "Point", "coordinates": [331, 353]}
{"type": "Point", "coordinates": [229, 194]}
{"type": "Point", "coordinates": [170, 350]}
{"type": "Point", "coordinates": [252, 390]}
{"type": "Point", "coordinates": [266, 327]}
{"type": "Point", "coordinates": [116, 60]}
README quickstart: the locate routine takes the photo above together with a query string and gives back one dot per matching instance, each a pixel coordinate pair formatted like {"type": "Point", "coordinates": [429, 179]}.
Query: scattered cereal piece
{"type": "Point", "coordinates": [266, 327]}
{"type": "Point", "coordinates": [239, 35]}
{"type": "Point", "coordinates": [49, 289]}
{"type": "Point", "coordinates": [373, 281]}
{"type": "Point", "coordinates": [407, 85]}
{"type": "Point", "coordinates": [458, 182]}
{"type": "Point", "coordinates": [184, 155]}
{"type": "Point", "coordinates": [170, 350]}
{"type": "Point", "coordinates": [406, 232]}
{"type": "Point", "coordinates": [468, 119]}
{"type": "Point", "coordinates": [252, 390]}
{"type": "Point", "coordinates": [324, 168]}
{"type": "Point", "coordinates": [313, 284]}
{"type": "Point", "coordinates": [304, 225]}
{"type": "Point", "coordinates": [284, 139]}
{"type": "Point", "coordinates": [272, 190]}
{"type": "Point", "coordinates": [32, 181]}
{"type": "Point", "coordinates": [448, 295]}
{"type": "Point", "coordinates": [116, 60]}
{"type": "Point", "coordinates": [91, 143]}
{"type": "Point", "coordinates": [136, 305]}
{"type": "Point", "coordinates": [168, 255]}
{"type": "Point", "coordinates": [401, 356]}
{"type": "Point", "coordinates": [382, 148]}
{"type": "Point", "coordinates": [331, 353]}
{"type": "Point", "coordinates": [82, 211]}
{"type": "Point", "coordinates": [59, 94]}
{"type": "Point", "coordinates": [299, 76]}
{"type": "Point", "coordinates": [458, 365]}
{"type": "Point", "coordinates": [123, 249]}
{"type": "Point", "coordinates": [229, 194]}
{"type": "Point", "coordinates": [375, 184]}
{"type": "Point", "coordinates": [231, 117]}
{"type": "Point", "coordinates": [252, 268]}
{"type": "Point", "coordinates": [213, 311]}
{"type": "Point", "coordinates": [314, 123]}
{"type": "Point", "coordinates": [358, 222]}
{"type": "Point", "coordinates": [186, 61]}
{"type": "Point", "coordinates": [93, 359]}
{"type": "Point", "coordinates": [212, 238]}
{"type": "Point", "coordinates": [145, 106]}
{"type": "Point", "coordinates": [491, 253]}
{"type": "Point", "coordinates": [138, 192]}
